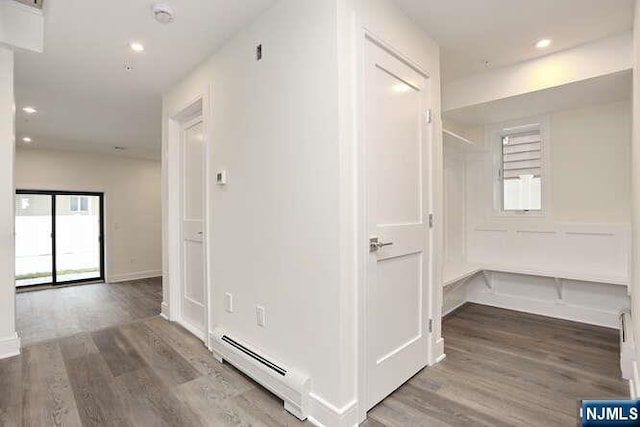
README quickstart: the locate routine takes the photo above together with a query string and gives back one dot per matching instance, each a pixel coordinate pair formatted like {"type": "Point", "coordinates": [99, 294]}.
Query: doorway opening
{"type": "Point", "coordinates": [59, 238]}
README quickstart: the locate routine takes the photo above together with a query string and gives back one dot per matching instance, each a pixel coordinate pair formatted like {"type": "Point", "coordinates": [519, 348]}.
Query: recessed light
{"type": "Point", "coordinates": [136, 47]}
{"type": "Point", "coordinates": [543, 43]}
{"type": "Point", "coordinates": [26, 139]}
{"type": "Point", "coordinates": [29, 110]}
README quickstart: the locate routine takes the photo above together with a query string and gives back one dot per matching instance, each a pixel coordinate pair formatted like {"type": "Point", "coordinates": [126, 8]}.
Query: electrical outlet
{"type": "Point", "coordinates": [260, 316]}
{"type": "Point", "coordinates": [228, 302]}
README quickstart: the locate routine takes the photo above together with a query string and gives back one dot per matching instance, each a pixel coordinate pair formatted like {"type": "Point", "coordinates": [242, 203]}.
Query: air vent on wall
{"type": "Point", "coordinates": [33, 3]}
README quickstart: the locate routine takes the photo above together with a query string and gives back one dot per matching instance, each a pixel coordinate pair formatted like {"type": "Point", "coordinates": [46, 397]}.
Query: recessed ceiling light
{"type": "Point", "coordinates": [543, 43]}
{"type": "Point", "coordinates": [136, 47]}
{"type": "Point", "coordinates": [26, 139]}
{"type": "Point", "coordinates": [29, 110]}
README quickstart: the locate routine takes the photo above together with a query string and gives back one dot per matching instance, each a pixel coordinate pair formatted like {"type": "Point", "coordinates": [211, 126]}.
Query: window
{"type": "Point", "coordinates": [521, 171]}
{"type": "Point", "coordinates": [79, 204]}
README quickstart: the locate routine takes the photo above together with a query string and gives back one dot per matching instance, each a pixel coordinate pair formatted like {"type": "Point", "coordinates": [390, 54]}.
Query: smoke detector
{"type": "Point", "coordinates": [162, 13]}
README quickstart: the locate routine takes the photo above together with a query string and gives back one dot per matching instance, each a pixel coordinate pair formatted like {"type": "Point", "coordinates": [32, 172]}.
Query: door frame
{"type": "Point", "coordinates": [173, 274]}
{"type": "Point", "coordinates": [362, 229]}
{"type": "Point", "coordinates": [102, 240]}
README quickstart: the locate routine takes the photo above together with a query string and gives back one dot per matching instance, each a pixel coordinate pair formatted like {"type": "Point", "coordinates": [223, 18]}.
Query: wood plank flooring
{"type": "Point", "coordinates": [503, 368]}
{"type": "Point", "coordinates": [54, 313]}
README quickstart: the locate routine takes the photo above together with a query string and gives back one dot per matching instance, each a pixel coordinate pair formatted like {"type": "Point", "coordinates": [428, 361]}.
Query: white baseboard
{"type": "Point", "coordinates": [164, 311]}
{"type": "Point", "coordinates": [9, 346]}
{"type": "Point", "coordinates": [634, 382]}
{"type": "Point", "coordinates": [324, 414]}
{"type": "Point", "coordinates": [438, 351]}
{"type": "Point", "coordinates": [117, 278]}
{"type": "Point", "coordinates": [548, 308]}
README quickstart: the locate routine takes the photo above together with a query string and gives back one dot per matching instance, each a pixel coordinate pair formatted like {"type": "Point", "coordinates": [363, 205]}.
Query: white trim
{"type": "Point", "coordinates": [200, 107]}
{"type": "Point", "coordinates": [136, 275]}
{"type": "Point", "coordinates": [164, 310]}
{"type": "Point", "coordinates": [492, 133]}
{"type": "Point", "coordinates": [548, 308]}
{"type": "Point", "coordinates": [324, 414]}
{"type": "Point", "coordinates": [10, 346]}
{"type": "Point", "coordinates": [634, 383]}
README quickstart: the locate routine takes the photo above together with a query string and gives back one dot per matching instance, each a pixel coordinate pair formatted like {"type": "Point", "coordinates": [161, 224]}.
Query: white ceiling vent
{"type": "Point", "coordinates": [162, 13]}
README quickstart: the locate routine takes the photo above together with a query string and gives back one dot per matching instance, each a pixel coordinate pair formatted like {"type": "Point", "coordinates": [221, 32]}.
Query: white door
{"type": "Point", "coordinates": [192, 293]}
{"type": "Point", "coordinates": [396, 143]}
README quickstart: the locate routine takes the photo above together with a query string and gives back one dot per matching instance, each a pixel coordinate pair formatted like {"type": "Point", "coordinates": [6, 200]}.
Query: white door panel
{"type": "Point", "coordinates": [395, 134]}
{"type": "Point", "coordinates": [192, 298]}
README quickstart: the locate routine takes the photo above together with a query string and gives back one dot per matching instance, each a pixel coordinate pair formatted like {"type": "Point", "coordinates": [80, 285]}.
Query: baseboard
{"type": "Point", "coordinates": [437, 355]}
{"type": "Point", "coordinates": [137, 275]}
{"type": "Point", "coordinates": [164, 311]}
{"type": "Point", "coordinates": [324, 414]}
{"type": "Point", "coordinates": [455, 308]}
{"type": "Point", "coordinates": [634, 382]}
{"type": "Point", "coordinates": [10, 346]}
{"type": "Point", "coordinates": [548, 308]}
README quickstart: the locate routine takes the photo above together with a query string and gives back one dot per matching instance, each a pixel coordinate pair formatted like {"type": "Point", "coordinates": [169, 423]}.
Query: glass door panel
{"type": "Point", "coordinates": [78, 237]}
{"type": "Point", "coordinates": [34, 231]}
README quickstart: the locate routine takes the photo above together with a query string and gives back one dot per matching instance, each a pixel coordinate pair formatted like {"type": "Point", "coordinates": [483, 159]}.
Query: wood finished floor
{"type": "Point", "coordinates": [43, 315]}
{"type": "Point", "coordinates": [505, 368]}
{"type": "Point", "coordinates": [502, 369]}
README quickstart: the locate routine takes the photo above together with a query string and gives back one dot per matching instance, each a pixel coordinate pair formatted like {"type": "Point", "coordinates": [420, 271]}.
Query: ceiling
{"type": "Point", "coordinates": [87, 101]}
{"type": "Point", "coordinates": [504, 32]}
{"type": "Point", "coordinates": [599, 90]}
{"type": "Point", "coordinates": [85, 98]}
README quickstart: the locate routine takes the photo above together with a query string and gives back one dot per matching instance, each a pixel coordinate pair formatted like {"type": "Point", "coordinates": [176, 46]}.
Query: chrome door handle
{"type": "Point", "coordinates": [375, 244]}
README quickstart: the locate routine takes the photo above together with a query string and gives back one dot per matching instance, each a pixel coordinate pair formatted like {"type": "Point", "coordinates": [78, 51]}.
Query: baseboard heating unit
{"type": "Point", "coordinates": [627, 350]}
{"type": "Point", "coordinates": [290, 385]}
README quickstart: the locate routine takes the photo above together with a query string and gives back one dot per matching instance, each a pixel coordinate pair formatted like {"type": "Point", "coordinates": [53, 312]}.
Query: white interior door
{"type": "Point", "coordinates": [395, 134]}
{"type": "Point", "coordinates": [192, 293]}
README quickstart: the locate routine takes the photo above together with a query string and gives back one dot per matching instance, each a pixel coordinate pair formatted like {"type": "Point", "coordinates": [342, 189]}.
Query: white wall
{"type": "Point", "coordinates": [283, 231]}
{"type": "Point", "coordinates": [591, 169]}
{"type": "Point", "coordinates": [132, 201]}
{"type": "Point", "coordinates": [583, 235]}
{"type": "Point", "coordinates": [9, 343]}
{"type": "Point", "coordinates": [635, 195]}
{"type": "Point", "coordinates": [275, 226]}
{"type": "Point", "coordinates": [599, 58]}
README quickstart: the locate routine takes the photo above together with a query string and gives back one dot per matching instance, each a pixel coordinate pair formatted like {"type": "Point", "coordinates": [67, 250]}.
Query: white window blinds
{"type": "Point", "coordinates": [521, 155]}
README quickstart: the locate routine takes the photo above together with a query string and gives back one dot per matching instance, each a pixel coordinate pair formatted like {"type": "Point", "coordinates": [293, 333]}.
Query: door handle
{"type": "Point", "coordinates": [375, 244]}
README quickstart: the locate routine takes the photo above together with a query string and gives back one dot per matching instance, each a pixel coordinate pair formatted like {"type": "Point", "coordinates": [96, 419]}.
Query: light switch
{"type": "Point", "coordinates": [221, 177]}
{"type": "Point", "coordinates": [260, 315]}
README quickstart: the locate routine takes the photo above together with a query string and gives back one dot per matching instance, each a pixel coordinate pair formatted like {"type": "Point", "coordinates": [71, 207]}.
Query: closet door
{"type": "Point", "coordinates": [396, 142]}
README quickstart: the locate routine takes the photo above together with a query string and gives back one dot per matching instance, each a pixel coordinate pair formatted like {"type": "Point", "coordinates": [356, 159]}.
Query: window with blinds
{"type": "Point", "coordinates": [521, 171]}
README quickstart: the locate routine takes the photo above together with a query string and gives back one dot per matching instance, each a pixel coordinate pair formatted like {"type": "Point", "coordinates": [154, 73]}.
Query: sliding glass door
{"type": "Point", "coordinates": [59, 237]}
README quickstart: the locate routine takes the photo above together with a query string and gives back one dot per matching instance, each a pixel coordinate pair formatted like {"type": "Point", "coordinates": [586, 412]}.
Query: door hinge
{"type": "Point", "coordinates": [430, 325]}
{"type": "Point", "coordinates": [430, 220]}
{"type": "Point", "coordinates": [429, 116]}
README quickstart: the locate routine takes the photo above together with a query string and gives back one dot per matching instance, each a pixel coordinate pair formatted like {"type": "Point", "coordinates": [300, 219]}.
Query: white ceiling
{"type": "Point", "coordinates": [504, 31]}
{"type": "Point", "coordinates": [85, 98]}
{"type": "Point", "coordinates": [600, 90]}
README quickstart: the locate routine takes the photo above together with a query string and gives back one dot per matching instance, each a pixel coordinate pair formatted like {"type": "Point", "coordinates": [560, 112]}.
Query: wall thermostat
{"type": "Point", "coordinates": [221, 177]}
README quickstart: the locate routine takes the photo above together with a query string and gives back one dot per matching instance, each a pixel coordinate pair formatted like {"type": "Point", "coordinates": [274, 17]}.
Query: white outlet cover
{"type": "Point", "coordinates": [260, 316]}
{"type": "Point", "coordinates": [228, 302]}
